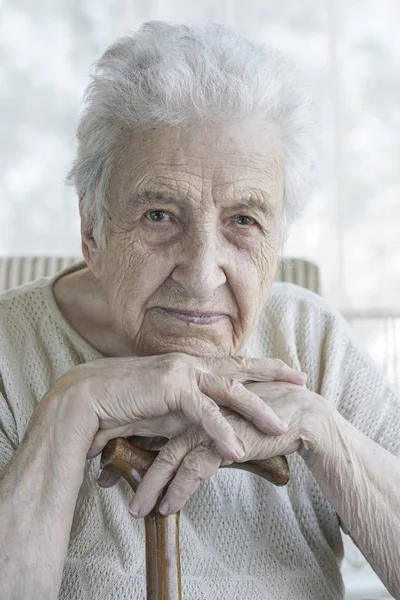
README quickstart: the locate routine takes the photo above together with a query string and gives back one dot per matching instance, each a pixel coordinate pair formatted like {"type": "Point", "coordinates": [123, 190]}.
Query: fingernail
{"type": "Point", "coordinates": [283, 424]}
{"type": "Point", "coordinates": [164, 508]}
{"type": "Point", "coordinates": [102, 479]}
{"type": "Point", "coordinates": [134, 509]}
{"type": "Point", "coordinates": [238, 450]}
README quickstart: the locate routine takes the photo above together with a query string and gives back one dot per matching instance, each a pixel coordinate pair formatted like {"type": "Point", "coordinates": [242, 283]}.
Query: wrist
{"type": "Point", "coordinates": [320, 427]}
{"type": "Point", "coordinates": [63, 415]}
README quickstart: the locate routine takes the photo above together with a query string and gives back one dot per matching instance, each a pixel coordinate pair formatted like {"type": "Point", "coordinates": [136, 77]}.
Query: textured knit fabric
{"type": "Point", "coordinates": [241, 537]}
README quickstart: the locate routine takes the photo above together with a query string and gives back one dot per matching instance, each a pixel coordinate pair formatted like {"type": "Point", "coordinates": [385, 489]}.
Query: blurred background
{"type": "Point", "coordinates": [349, 50]}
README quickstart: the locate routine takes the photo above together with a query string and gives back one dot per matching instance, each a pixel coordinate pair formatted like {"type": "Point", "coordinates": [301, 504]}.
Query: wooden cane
{"type": "Point", "coordinates": [163, 572]}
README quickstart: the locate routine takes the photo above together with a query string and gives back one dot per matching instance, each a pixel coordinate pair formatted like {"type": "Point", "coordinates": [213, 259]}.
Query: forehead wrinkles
{"type": "Point", "coordinates": [205, 177]}
{"type": "Point", "coordinates": [191, 172]}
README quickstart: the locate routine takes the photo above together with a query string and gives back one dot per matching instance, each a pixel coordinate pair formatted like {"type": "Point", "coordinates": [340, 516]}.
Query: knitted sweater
{"type": "Point", "coordinates": [241, 537]}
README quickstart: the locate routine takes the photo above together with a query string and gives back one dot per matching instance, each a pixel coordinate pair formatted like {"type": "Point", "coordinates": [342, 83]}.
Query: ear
{"type": "Point", "coordinates": [90, 249]}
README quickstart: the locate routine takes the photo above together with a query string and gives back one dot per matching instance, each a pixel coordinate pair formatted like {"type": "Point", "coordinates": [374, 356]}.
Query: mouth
{"type": "Point", "coordinates": [195, 317]}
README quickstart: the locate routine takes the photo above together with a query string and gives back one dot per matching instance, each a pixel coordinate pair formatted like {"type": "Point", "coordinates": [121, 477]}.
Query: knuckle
{"type": "Point", "coordinates": [176, 366]}
{"type": "Point", "coordinates": [168, 455]}
{"type": "Point", "coordinates": [192, 466]}
{"type": "Point", "coordinates": [233, 386]}
{"type": "Point", "coordinates": [279, 367]}
{"type": "Point", "coordinates": [242, 362]}
{"type": "Point", "coordinates": [211, 458]}
{"type": "Point", "coordinates": [169, 363]}
{"type": "Point", "coordinates": [236, 392]}
{"type": "Point", "coordinates": [203, 378]}
{"type": "Point", "coordinates": [237, 388]}
{"type": "Point", "coordinates": [232, 365]}
{"type": "Point", "coordinates": [210, 410]}
{"type": "Point", "coordinates": [279, 364]}
{"type": "Point", "coordinates": [192, 437]}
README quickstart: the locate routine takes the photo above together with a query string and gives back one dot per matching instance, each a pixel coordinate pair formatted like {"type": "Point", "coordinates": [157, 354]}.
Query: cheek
{"type": "Point", "coordinates": [131, 276]}
{"type": "Point", "coordinates": [257, 253]}
{"type": "Point", "coordinates": [252, 276]}
{"type": "Point", "coordinates": [260, 261]}
{"type": "Point", "coordinates": [266, 262]}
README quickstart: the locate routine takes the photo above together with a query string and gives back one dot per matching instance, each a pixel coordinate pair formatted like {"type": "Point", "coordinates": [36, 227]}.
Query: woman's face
{"type": "Point", "coordinates": [194, 232]}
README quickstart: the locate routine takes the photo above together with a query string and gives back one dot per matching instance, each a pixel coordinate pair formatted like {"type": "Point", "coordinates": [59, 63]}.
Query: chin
{"type": "Point", "coordinates": [161, 335]}
{"type": "Point", "coordinates": [187, 345]}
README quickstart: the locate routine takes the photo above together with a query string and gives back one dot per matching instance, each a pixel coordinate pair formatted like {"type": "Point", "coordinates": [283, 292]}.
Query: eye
{"type": "Point", "coordinates": [158, 216]}
{"type": "Point", "coordinates": [244, 220]}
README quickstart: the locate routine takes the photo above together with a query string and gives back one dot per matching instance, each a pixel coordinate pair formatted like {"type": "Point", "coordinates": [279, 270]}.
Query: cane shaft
{"type": "Point", "coordinates": [163, 568]}
{"type": "Point", "coordinates": [163, 572]}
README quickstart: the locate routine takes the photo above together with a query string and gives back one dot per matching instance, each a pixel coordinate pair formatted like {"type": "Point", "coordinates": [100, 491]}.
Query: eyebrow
{"type": "Point", "coordinates": [261, 205]}
{"type": "Point", "coordinates": [146, 198]}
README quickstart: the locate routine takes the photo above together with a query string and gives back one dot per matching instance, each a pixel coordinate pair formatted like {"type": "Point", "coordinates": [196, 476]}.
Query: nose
{"type": "Point", "coordinates": [200, 271]}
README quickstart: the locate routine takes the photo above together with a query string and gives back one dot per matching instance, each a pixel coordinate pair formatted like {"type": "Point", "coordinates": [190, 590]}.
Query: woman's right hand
{"type": "Point", "coordinates": [121, 397]}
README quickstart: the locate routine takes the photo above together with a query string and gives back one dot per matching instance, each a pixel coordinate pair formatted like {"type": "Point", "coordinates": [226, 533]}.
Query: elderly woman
{"type": "Point", "coordinates": [194, 157]}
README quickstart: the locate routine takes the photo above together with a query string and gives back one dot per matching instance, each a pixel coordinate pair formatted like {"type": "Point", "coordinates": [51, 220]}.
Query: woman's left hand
{"type": "Point", "coordinates": [190, 458]}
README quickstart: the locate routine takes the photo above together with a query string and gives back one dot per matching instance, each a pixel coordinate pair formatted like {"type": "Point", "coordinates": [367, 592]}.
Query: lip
{"type": "Point", "coordinates": [196, 317]}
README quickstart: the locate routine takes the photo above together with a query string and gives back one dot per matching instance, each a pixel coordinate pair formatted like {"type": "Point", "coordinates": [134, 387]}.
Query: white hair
{"type": "Point", "coordinates": [168, 74]}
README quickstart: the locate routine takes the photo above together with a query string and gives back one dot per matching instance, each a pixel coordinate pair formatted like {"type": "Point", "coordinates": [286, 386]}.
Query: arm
{"type": "Point", "coordinates": [38, 492]}
{"type": "Point", "coordinates": [342, 382]}
{"type": "Point", "coordinates": [361, 479]}
{"type": "Point", "coordinates": [358, 477]}
{"type": "Point", "coordinates": [89, 405]}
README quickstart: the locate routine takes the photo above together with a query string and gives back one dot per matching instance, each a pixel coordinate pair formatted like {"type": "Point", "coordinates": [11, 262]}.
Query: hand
{"type": "Point", "coordinates": [190, 458]}
{"type": "Point", "coordinates": [121, 397]}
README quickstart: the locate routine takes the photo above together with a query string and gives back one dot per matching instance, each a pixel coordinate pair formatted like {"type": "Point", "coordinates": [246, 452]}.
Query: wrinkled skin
{"type": "Point", "coordinates": [190, 456]}
{"type": "Point", "coordinates": [168, 393]}
{"type": "Point", "coordinates": [201, 250]}
{"type": "Point", "coordinates": [194, 225]}
{"type": "Point", "coordinates": [196, 257]}
{"type": "Point", "coordinates": [181, 236]}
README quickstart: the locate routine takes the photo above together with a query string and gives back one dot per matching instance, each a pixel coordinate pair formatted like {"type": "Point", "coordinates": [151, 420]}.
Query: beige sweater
{"type": "Point", "coordinates": [241, 537]}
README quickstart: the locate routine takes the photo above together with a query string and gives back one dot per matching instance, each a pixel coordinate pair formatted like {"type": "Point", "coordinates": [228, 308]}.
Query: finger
{"type": "Point", "coordinates": [233, 395]}
{"type": "Point", "coordinates": [169, 426]}
{"type": "Point", "coordinates": [107, 478]}
{"type": "Point", "coordinates": [253, 369]}
{"type": "Point", "coordinates": [161, 472]}
{"type": "Point", "coordinates": [200, 464]}
{"type": "Point", "coordinates": [199, 410]}
{"type": "Point", "coordinates": [204, 413]}
{"type": "Point", "coordinates": [103, 436]}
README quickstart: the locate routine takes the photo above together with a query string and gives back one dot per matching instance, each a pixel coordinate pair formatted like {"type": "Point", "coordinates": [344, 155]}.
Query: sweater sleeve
{"type": "Point", "coordinates": [353, 381]}
{"type": "Point", "coordinates": [8, 431]}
